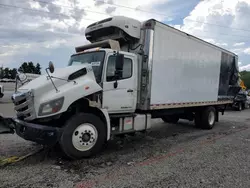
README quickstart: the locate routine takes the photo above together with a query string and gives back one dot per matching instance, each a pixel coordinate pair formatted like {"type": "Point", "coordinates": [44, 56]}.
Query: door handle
{"type": "Point", "coordinates": [130, 90]}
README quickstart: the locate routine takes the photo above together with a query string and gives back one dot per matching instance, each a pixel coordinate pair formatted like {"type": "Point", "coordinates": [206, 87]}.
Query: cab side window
{"type": "Point", "coordinates": [126, 70]}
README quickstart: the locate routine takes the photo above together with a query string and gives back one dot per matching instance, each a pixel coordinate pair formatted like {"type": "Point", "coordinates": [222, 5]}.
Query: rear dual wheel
{"type": "Point", "coordinates": [205, 118]}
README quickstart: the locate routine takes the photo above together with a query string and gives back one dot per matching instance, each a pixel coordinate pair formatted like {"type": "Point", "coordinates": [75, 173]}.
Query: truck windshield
{"type": "Point", "coordinates": [94, 58]}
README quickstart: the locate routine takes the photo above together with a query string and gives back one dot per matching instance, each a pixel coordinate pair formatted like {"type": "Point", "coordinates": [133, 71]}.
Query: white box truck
{"type": "Point", "coordinates": [130, 72]}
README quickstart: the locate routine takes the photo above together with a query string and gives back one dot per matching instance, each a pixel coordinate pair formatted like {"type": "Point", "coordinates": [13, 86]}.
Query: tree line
{"type": "Point", "coordinates": [26, 67]}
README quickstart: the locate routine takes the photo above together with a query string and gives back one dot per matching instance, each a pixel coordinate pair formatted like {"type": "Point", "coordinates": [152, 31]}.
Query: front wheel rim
{"type": "Point", "coordinates": [84, 137]}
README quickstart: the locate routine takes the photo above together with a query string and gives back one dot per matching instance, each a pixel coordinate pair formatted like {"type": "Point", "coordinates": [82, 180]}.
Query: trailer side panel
{"type": "Point", "coordinates": [184, 70]}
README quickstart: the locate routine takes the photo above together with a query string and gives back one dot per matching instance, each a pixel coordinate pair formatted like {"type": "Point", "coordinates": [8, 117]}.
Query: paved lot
{"type": "Point", "coordinates": [168, 156]}
{"type": "Point", "coordinates": [8, 91]}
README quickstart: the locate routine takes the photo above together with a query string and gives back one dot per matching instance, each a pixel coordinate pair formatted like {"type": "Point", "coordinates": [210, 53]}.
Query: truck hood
{"type": "Point", "coordinates": [43, 91]}
{"type": "Point", "coordinates": [44, 83]}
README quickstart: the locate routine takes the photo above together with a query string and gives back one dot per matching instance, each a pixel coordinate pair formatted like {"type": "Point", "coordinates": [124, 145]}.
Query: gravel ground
{"type": "Point", "coordinates": [167, 156]}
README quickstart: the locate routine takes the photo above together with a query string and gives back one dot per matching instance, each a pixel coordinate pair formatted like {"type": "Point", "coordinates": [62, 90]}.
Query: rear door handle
{"type": "Point", "coordinates": [130, 90]}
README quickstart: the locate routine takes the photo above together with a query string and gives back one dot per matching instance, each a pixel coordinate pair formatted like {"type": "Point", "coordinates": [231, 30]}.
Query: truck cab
{"type": "Point", "coordinates": [114, 66]}
{"type": "Point", "coordinates": [116, 82]}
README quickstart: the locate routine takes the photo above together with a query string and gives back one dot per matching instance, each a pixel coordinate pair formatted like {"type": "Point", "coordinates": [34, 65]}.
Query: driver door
{"type": "Point", "coordinates": [120, 99]}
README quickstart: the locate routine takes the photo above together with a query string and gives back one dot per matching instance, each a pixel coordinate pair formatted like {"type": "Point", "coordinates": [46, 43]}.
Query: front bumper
{"type": "Point", "coordinates": [40, 134]}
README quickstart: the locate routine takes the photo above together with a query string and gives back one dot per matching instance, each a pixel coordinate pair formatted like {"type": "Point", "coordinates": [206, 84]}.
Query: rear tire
{"type": "Point", "coordinates": [208, 118]}
{"type": "Point", "coordinates": [239, 107]}
{"type": "Point", "coordinates": [83, 136]}
{"type": "Point", "coordinates": [170, 119]}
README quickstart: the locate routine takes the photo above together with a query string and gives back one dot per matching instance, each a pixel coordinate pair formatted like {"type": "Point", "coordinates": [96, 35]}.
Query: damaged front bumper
{"type": "Point", "coordinates": [40, 134]}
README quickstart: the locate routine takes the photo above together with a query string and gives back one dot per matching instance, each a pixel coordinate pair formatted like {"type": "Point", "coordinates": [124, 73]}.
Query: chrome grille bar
{"type": "Point", "coordinates": [24, 105]}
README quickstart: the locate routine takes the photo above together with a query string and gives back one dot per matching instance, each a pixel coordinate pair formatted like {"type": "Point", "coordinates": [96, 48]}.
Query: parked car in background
{"type": "Point", "coordinates": [24, 78]}
{"type": "Point", "coordinates": [241, 101]}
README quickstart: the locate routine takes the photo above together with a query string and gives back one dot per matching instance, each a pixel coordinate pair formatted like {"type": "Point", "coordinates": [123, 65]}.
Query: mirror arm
{"type": "Point", "coordinates": [117, 77]}
{"type": "Point", "coordinates": [51, 79]}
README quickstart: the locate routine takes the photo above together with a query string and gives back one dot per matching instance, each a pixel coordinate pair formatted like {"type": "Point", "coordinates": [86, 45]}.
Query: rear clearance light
{"type": "Point", "coordinates": [149, 25]}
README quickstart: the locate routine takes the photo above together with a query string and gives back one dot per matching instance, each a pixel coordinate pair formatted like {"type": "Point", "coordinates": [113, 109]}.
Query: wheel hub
{"type": "Point", "coordinates": [84, 137]}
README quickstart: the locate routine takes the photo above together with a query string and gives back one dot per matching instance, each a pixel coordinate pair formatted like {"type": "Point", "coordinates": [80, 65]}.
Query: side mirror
{"type": "Point", "coordinates": [51, 67]}
{"type": "Point", "coordinates": [119, 62]}
{"type": "Point", "coordinates": [119, 65]}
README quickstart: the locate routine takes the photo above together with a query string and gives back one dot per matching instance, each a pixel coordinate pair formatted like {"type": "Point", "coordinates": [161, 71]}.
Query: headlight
{"type": "Point", "coordinates": [51, 107]}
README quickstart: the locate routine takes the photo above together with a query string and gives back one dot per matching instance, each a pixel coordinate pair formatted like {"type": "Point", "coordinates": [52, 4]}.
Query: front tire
{"type": "Point", "coordinates": [83, 136]}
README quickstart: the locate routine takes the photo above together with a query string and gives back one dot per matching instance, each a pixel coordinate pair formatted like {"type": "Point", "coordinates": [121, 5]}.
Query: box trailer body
{"type": "Point", "coordinates": [130, 72]}
{"type": "Point", "coordinates": [185, 71]}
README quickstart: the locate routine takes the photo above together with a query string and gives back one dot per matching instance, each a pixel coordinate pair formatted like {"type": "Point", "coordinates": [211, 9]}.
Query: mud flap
{"type": "Point", "coordinates": [7, 125]}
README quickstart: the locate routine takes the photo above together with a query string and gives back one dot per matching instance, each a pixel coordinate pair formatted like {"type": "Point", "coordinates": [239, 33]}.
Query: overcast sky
{"type": "Point", "coordinates": [48, 30]}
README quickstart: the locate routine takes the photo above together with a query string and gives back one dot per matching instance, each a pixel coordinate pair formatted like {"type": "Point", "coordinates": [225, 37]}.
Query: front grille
{"type": "Point", "coordinates": [20, 102]}
{"type": "Point", "coordinates": [24, 105]}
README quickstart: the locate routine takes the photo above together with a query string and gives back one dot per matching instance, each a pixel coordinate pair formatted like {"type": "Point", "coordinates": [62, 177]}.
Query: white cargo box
{"type": "Point", "coordinates": [184, 70]}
